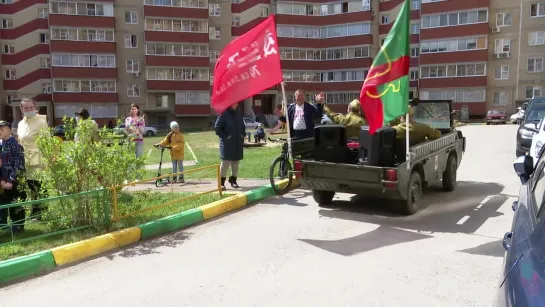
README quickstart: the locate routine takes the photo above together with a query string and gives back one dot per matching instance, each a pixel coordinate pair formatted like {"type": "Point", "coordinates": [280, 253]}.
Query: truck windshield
{"type": "Point", "coordinates": [435, 114]}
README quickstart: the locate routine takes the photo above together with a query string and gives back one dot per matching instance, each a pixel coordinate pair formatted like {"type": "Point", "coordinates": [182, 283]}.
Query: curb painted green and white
{"type": "Point", "coordinates": [44, 261]}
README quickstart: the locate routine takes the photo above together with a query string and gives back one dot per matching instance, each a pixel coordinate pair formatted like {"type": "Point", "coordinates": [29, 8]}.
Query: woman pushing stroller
{"type": "Point", "coordinates": [175, 139]}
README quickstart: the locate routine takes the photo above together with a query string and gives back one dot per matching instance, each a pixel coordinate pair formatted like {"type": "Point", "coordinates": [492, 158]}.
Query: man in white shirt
{"type": "Point", "coordinates": [301, 114]}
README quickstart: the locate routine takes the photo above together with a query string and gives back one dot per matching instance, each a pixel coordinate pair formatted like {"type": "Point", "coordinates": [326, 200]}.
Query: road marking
{"type": "Point", "coordinates": [485, 200]}
{"type": "Point", "coordinates": [463, 220]}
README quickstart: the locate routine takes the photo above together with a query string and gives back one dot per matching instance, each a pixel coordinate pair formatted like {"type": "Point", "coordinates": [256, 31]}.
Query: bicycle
{"type": "Point", "coordinates": [285, 169]}
{"type": "Point", "coordinates": [164, 181]}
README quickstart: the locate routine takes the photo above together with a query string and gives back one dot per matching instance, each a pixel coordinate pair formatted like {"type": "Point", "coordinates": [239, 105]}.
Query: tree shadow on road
{"type": "Point", "coordinates": [463, 211]}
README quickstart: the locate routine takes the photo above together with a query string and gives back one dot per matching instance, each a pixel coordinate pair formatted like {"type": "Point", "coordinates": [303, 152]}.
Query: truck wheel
{"type": "Point", "coordinates": [414, 195]}
{"type": "Point", "coordinates": [323, 198]}
{"type": "Point", "coordinates": [449, 175]}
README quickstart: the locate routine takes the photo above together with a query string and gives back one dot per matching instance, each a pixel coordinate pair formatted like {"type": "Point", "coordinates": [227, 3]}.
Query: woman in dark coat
{"type": "Point", "coordinates": [231, 131]}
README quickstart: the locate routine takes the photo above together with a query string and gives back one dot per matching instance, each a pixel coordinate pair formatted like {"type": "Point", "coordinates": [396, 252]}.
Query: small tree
{"type": "Point", "coordinates": [73, 167]}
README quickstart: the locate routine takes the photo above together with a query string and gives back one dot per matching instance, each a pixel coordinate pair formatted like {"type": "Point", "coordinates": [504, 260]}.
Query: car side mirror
{"type": "Point", "coordinates": [524, 167]}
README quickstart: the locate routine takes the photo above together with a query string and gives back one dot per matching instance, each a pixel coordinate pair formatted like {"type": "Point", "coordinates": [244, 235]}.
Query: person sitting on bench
{"type": "Point", "coordinates": [418, 132]}
{"type": "Point", "coordinates": [352, 120]}
{"type": "Point", "coordinates": [259, 134]}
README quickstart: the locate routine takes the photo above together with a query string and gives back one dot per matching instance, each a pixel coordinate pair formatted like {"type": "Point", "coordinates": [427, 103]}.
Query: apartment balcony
{"type": "Point", "coordinates": [83, 72]}
{"type": "Point", "coordinates": [182, 61]}
{"type": "Point", "coordinates": [458, 82]}
{"type": "Point", "coordinates": [452, 5]}
{"type": "Point", "coordinates": [342, 41]}
{"type": "Point", "coordinates": [84, 97]}
{"type": "Point", "coordinates": [177, 85]}
{"type": "Point", "coordinates": [246, 5]}
{"type": "Point", "coordinates": [175, 12]}
{"type": "Point", "coordinates": [307, 65]}
{"type": "Point", "coordinates": [81, 21]}
{"type": "Point", "coordinates": [454, 57]}
{"type": "Point", "coordinates": [177, 37]}
{"type": "Point", "coordinates": [327, 86]}
{"type": "Point", "coordinates": [476, 29]}
{"type": "Point", "coordinates": [67, 46]}
{"type": "Point", "coordinates": [334, 19]}
{"type": "Point", "coordinates": [192, 110]}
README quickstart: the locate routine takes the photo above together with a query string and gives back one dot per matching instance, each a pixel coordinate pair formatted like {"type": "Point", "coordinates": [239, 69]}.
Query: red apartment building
{"type": "Point", "coordinates": [160, 54]}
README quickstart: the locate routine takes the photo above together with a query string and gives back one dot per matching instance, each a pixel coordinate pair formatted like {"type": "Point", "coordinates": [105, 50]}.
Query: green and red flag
{"type": "Point", "coordinates": [385, 92]}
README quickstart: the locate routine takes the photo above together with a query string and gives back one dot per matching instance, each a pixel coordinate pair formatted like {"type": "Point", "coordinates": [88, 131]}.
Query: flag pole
{"type": "Point", "coordinates": [407, 152]}
{"type": "Point", "coordinates": [285, 107]}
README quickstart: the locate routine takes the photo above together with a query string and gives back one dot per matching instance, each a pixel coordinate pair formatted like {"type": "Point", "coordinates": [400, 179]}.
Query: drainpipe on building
{"type": "Point", "coordinates": [519, 53]}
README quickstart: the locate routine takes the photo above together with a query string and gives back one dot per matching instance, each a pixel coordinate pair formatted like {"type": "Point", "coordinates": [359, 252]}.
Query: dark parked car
{"type": "Point", "coordinates": [534, 113]}
{"type": "Point", "coordinates": [522, 282]}
{"type": "Point", "coordinates": [496, 117]}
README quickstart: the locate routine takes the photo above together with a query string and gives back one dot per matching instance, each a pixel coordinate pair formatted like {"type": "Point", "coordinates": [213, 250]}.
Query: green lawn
{"type": "Point", "coordinates": [128, 202]}
{"type": "Point", "coordinates": [255, 164]}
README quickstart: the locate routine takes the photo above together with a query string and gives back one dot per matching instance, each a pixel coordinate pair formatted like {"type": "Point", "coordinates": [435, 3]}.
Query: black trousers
{"type": "Point", "coordinates": [17, 214]}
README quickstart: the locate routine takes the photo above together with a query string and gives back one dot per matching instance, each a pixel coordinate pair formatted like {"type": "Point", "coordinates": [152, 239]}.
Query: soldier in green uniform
{"type": "Point", "coordinates": [418, 132]}
{"type": "Point", "coordinates": [352, 120]}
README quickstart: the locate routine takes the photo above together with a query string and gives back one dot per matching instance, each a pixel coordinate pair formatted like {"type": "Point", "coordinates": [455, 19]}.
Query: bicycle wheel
{"type": "Point", "coordinates": [280, 169]}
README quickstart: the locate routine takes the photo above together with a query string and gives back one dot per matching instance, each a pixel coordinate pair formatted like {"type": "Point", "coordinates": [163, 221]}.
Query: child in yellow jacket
{"type": "Point", "coordinates": [175, 139]}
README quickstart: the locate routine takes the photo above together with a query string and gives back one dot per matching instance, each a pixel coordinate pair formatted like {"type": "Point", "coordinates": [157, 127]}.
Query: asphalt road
{"type": "Point", "coordinates": [290, 252]}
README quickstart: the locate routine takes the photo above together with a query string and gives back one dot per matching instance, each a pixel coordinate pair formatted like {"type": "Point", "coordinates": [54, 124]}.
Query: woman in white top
{"type": "Point", "coordinates": [135, 127]}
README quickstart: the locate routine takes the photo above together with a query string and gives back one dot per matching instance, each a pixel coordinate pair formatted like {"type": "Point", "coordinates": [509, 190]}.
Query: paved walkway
{"type": "Point", "coordinates": [167, 165]}
{"type": "Point", "coordinates": [199, 185]}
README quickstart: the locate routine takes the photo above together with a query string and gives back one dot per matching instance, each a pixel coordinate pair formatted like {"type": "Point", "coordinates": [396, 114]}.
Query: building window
{"type": "Point", "coordinates": [214, 55]}
{"type": "Point", "coordinates": [45, 62]}
{"type": "Point", "coordinates": [6, 1]}
{"type": "Point", "coordinates": [384, 19]}
{"type": "Point", "coordinates": [535, 64]}
{"type": "Point", "coordinates": [131, 41]}
{"type": "Point", "coordinates": [176, 25]}
{"type": "Point", "coordinates": [104, 86]}
{"type": "Point", "coordinates": [453, 70]}
{"type": "Point", "coordinates": [43, 13]}
{"type": "Point", "coordinates": [9, 49]}
{"type": "Point", "coordinates": [501, 73]}
{"type": "Point", "coordinates": [178, 3]}
{"type": "Point", "coordinates": [500, 99]}
{"type": "Point", "coordinates": [533, 91]}
{"type": "Point", "coordinates": [161, 101]}
{"type": "Point", "coordinates": [214, 33]}
{"type": "Point", "coordinates": [415, 28]}
{"type": "Point", "coordinates": [355, 52]}
{"type": "Point", "coordinates": [214, 9]}
{"type": "Point", "coordinates": [79, 8]}
{"type": "Point", "coordinates": [452, 45]}
{"type": "Point", "coordinates": [44, 38]}
{"type": "Point", "coordinates": [131, 17]}
{"type": "Point", "coordinates": [192, 97]}
{"type": "Point", "coordinates": [264, 12]}
{"type": "Point", "coordinates": [324, 32]}
{"type": "Point", "coordinates": [537, 9]}
{"type": "Point", "coordinates": [177, 49]}
{"type": "Point", "coordinates": [458, 95]}
{"type": "Point", "coordinates": [414, 75]}
{"type": "Point", "coordinates": [415, 52]}
{"type": "Point", "coordinates": [7, 24]}
{"type": "Point", "coordinates": [90, 35]}
{"type": "Point", "coordinates": [328, 76]}
{"type": "Point", "coordinates": [415, 5]}
{"type": "Point", "coordinates": [322, 10]}
{"type": "Point", "coordinates": [502, 45]}
{"type": "Point", "coordinates": [83, 60]}
{"type": "Point", "coordinates": [46, 88]}
{"type": "Point", "coordinates": [133, 90]}
{"type": "Point", "coordinates": [536, 38]}
{"type": "Point", "coordinates": [235, 21]}
{"type": "Point", "coordinates": [455, 19]}
{"type": "Point", "coordinates": [133, 66]}
{"type": "Point", "coordinates": [9, 74]}
{"type": "Point", "coordinates": [503, 19]}
{"type": "Point", "coordinates": [178, 74]}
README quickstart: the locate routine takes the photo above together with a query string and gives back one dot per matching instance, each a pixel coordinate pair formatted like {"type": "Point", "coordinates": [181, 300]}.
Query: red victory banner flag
{"type": "Point", "coordinates": [247, 66]}
{"type": "Point", "coordinates": [385, 92]}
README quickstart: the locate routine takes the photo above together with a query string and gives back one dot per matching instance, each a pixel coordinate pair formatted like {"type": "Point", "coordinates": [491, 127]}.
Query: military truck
{"type": "Point", "coordinates": [430, 162]}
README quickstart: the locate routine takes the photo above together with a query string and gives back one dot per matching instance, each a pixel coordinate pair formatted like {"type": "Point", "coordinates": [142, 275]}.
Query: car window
{"type": "Point", "coordinates": [538, 183]}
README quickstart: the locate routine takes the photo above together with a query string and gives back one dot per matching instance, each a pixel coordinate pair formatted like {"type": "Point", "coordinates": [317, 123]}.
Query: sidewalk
{"type": "Point", "coordinates": [200, 185]}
